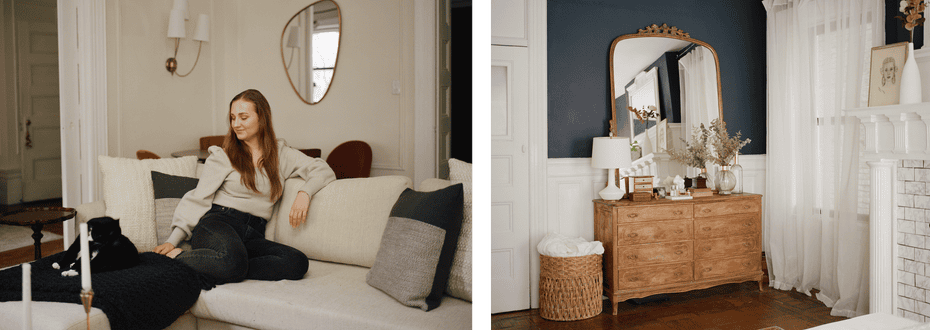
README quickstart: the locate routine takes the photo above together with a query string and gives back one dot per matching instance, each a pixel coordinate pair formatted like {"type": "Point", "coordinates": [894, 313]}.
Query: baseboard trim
{"type": "Point", "coordinates": [11, 187]}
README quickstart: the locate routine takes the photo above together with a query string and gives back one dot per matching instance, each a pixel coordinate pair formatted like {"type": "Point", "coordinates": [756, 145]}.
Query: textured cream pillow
{"type": "Point", "coordinates": [460, 278]}
{"type": "Point", "coordinates": [345, 221]}
{"type": "Point", "coordinates": [128, 194]}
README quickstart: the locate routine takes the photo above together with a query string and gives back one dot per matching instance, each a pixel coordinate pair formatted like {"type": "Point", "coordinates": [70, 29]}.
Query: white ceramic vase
{"type": "Point", "coordinates": [910, 79]}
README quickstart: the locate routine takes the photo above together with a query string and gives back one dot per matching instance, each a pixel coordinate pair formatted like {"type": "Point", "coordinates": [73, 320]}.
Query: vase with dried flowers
{"type": "Point", "coordinates": [696, 152]}
{"type": "Point", "coordinates": [648, 112]}
{"type": "Point", "coordinates": [910, 74]}
{"type": "Point", "coordinates": [725, 150]}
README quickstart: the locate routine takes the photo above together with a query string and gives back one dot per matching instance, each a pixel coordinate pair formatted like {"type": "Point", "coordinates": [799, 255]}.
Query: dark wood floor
{"type": "Point", "coordinates": [26, 254]}
{"type": "Point", "coordinates": [738, 306]}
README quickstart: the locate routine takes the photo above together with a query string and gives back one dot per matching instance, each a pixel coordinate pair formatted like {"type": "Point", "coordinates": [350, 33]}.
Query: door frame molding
{"type": "Point", "coordinates": [82, 74]}
{"type": "Point", "coordinates": [539, 134]}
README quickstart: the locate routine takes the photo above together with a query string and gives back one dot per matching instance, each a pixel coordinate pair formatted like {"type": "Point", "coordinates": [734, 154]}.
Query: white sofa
{"type": "Point", "coordinates": [332, 295]}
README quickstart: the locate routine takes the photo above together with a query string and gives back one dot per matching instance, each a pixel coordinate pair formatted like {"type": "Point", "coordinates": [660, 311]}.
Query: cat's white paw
{"type": "Point", "coordinates": [55, 265]}
{"type": "Point", "coordinates": [70, 272]}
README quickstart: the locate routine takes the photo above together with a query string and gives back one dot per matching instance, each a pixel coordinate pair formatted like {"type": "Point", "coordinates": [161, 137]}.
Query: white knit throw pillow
{"type": "Point", "coordinates": [128, 194]}
{"type": "Point", "coordinates": [460, 278]}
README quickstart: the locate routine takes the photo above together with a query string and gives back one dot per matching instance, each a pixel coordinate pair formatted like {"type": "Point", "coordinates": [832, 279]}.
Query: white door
{"type": "Point", "coordinates": [510, 223]}
{"type": "Point", "coordinates": [37, 70]}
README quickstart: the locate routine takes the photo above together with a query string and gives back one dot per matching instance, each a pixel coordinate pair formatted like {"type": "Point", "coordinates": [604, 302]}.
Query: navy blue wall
{"type": "Point", "coordinates": [579, 37]}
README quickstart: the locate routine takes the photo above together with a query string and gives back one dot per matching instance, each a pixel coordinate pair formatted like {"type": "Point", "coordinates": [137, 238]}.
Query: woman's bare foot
{"type": "Point", "coordinates": [174, 253]}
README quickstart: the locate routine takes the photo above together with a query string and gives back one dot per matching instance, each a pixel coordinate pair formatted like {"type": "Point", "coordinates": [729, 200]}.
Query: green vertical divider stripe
{"type": "Point", "coordinates": [481, 43]}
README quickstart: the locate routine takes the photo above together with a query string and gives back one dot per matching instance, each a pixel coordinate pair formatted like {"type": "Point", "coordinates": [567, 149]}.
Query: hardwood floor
{"type": "Point", "coordinates": [26, 254]}
{"type": "Point", "coordinates": [739, 306]}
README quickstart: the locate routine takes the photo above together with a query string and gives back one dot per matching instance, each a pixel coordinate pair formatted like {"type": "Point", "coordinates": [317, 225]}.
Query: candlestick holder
{"type": "Point", "coordinates": [87, 296]}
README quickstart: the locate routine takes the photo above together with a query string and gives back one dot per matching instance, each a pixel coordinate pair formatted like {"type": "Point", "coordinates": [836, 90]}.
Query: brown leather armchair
{"type": "Point", "coordinates": [351, 159]}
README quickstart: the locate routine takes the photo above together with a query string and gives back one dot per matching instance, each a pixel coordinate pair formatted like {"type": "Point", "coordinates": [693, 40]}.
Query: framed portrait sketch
{"type": "Point", "coordinates": [885, 74]}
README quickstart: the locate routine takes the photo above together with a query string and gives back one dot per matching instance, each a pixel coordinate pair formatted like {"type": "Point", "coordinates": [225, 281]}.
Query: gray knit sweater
{"type": "Point", "coordinates": [220, 184]}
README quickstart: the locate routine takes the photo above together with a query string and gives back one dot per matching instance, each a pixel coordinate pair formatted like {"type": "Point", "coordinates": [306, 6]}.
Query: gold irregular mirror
{"type": "Point", "coordinates": [662, 67]}
{"type": "Point", "coordinates": [310, 49]}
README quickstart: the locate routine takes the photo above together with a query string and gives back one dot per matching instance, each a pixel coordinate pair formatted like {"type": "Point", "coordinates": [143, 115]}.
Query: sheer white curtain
{"type": "Point", "coordinates": [815, 232]}
{"type": "Point", "coordinates": [699, 95]}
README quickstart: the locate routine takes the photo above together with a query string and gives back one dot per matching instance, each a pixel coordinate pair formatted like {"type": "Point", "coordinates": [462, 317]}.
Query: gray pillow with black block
{"type": "Point", "coordinates": [168, 190]}
{"type": "Point", "coordinates": [418, 246]}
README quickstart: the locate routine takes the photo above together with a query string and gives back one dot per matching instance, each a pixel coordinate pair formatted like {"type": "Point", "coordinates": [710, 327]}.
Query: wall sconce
{"type": "Point", "coordinates": [292, 43]}
{"type": "Point", "coordinates": [177, 29]}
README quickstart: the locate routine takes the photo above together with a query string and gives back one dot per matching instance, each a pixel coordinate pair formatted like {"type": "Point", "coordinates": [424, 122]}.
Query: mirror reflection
{"type": "Point", "coordinates": [310, 49]}
{"type": "Point", "coordinates": [676, 75]}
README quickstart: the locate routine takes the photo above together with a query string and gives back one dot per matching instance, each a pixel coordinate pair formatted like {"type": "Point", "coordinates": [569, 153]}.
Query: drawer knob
{"type": "Point", "coordinates": [747, 224]}
{"type": "Point", "coordinates": [708, 269]}
{"type": "Point", "coordinates": [706, 248]}
{"type": "Point", "coordinates": [632, 235]}
{"type": "Point", "coordinates": [746, 207]}
{"type": "Point", "coordinates": [634, 279]}
{"type": "Point", "coordinates": [746, 244]}
{"type": "Point", "coordinates": [679, 231]}
{"type": "Point", "coordinates": [679, 252]}
{"type": "Point", "coordinates": [632, 215]}
{"type": "Point", "coordinates": [706, 228]}
{"type": "Point", "coordinates": [679, 212]}
{"type": "Point", "coordinates": [632, 257]}
{"type": "Point", "coordinates": [706, 211]}
{"type": "Point", "coordinates": [747, 264]}
{"type": "Point", "coordinates": [678, 274]}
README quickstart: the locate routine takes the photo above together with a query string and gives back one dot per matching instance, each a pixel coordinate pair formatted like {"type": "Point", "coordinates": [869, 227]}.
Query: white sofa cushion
{"type": "Point", "coordinates": [460, 278]}
{"type": "Point", "coordinates": [127, 191]}
{"type": "Point", "coordinates": [345, 221]}
{"type": "Point", "coordinates": [330, 296]}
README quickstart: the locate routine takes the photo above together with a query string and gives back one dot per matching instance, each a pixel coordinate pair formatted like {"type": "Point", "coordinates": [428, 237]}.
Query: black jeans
{"type": "Point", "coordinates": [229, 246]}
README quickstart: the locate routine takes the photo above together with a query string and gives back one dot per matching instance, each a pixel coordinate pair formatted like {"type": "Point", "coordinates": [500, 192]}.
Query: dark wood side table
{"type": "Point", "coordinates": [37, 217]}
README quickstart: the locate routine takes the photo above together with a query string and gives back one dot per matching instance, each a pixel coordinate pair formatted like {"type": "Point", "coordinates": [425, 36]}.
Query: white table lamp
{"type": "Point", "coordinates": [611, 153]}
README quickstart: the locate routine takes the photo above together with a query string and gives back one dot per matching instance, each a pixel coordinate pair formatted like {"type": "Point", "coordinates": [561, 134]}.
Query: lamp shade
{"type": "Point", "coordinates": [611, 152]}
{"type": "Point", "coordinates": [176, 24]}
{"type": "Point", "coordinates": [202, 33]}
{"type": "Point", "coordinates": [292, 40]}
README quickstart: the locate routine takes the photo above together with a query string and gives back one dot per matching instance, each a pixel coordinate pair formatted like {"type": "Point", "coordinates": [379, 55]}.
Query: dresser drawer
{"type": "Point", "coordinates": [726, 208]}
{"type": "Point", "coordinates": [650, 213]}
{"type": "Point", "coordinates": [649, 254]}
{"type": "Point", "coordinates": [642, 277]}
{"type": "Point", "coordinates": [733, 225]}
{"type": "Point", "coordinates": [654, 232]}
{"type": "Point", "coordinates": [704, 269]}
{"type": "Point", "coordinates": [725, 247]}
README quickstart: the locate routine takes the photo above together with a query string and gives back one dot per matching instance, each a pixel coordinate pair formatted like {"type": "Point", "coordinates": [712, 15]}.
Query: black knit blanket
{"type": "Point", "coordinates": [151, 295]}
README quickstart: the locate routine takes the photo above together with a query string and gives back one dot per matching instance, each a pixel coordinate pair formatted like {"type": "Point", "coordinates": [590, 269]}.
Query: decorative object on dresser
{"type": "Point", "coordinates": [610, 153]}
{"type": "Point", "coordinates": [725, 150]}
{"type": "Point", "coordinates": [665, 246]}
{"type": "Point", "coordinates": [695, 152]}
{"type": "Point", "coordinates": [641, 188]}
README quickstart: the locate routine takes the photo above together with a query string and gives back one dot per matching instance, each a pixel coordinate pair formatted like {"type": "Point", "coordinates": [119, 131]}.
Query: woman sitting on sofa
{"type": "Point", "coordinates": [225, 216]}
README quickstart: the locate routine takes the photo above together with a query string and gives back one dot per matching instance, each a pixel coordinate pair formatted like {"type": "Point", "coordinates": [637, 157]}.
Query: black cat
{"type": "Point", "coordinates": [109, 249]}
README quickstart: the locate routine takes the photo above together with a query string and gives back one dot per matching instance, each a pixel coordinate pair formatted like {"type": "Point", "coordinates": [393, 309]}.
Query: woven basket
{"type": "Point", "coordinates": [570, 288]}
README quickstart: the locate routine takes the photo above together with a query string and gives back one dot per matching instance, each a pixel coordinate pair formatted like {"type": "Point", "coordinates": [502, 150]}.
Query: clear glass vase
{"type": "Point", "coordinates": [737, 170]}
{"type": "Point", "coordinates": [725, 181]}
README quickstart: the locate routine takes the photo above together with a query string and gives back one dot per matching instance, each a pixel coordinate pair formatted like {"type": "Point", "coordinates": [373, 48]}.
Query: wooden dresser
{"type": "Point", "coordinates": [665, 246]}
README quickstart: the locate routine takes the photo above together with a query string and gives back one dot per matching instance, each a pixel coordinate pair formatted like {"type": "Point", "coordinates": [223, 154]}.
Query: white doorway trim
{"type": "Point", "coordinates": [539, 133]}
{"type": "Point", "coordinates": [425, 83]}
{"type": "Point", "coordinates": [82, 74]}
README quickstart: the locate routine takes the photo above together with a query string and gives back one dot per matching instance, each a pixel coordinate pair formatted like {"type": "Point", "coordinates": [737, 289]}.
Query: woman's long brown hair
{"type": "Point", "coordinates": [241, 157]}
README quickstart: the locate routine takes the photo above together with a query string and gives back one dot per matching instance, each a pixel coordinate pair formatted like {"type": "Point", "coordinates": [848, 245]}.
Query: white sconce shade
{"type": "Point", "coordinates": [202, 33]}
{"type": "Point", "coordinates": [182, 6]}
{"type": "Point", "coordinates": [176, 24]}
{"type": "Point", "coordinates": [611, 153]}
{"type": "Point", "coordinates": [292, 40]}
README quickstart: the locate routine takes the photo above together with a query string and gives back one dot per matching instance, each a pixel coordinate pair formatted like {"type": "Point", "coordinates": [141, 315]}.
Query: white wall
{"type": "Point", "coordinates": [244, 52]}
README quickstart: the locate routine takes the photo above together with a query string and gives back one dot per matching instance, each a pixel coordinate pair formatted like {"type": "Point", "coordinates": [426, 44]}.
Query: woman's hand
{"type": "Point", "coordinates": [164, 248]}
{"type": "Point", "coordinates": [298, 213]}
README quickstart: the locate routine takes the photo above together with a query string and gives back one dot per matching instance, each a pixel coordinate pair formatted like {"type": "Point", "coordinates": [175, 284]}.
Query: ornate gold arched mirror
{"type": "Point", "coordinates": [310, 49]}
{"type": "Point", "coordinates": [665, 68]}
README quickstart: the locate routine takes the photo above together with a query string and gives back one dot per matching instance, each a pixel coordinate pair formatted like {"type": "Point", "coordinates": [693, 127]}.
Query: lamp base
{"type": "Point", "coordinates": [612, 192]}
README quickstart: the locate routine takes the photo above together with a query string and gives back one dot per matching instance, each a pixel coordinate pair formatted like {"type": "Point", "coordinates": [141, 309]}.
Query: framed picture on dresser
{"type": "Point", "coordinates": [885, 74]}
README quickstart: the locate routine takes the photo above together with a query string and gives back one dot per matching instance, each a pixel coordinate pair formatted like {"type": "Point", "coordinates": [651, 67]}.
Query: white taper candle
{"type": "Point", "coordinates": [85, 259]}
{"type": "Point", "coordinates": [27, 296]}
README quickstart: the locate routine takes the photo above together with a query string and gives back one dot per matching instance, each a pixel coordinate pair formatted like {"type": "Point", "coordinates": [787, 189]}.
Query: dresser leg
{"type": "Point", "coordinates": [760, 285]}
{"type": "Point", "coordinates": [615, 305]}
